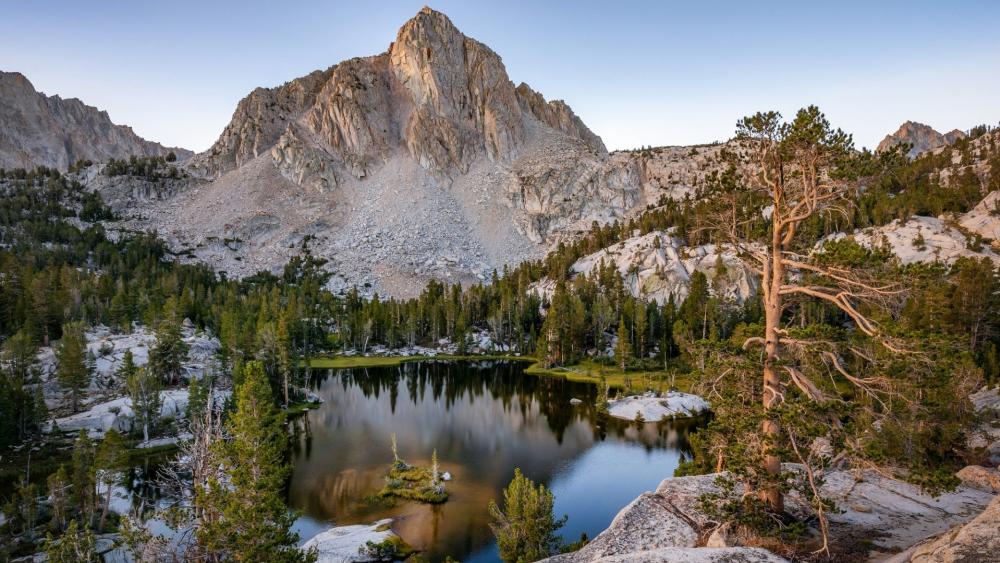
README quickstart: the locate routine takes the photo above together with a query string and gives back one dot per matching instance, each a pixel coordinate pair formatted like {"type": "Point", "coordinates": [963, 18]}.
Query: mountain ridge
{"type": "Point", "coordinates": [52, 131]}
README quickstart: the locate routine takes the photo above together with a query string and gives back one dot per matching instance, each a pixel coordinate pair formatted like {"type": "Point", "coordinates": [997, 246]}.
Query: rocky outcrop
{"type": "Point", "coordinates": [559, 186]}
{"type": "Point", "coordinates": [923, 239]}
{"type": "Point", "coordinates": [557, 115]}
{"type": "Point", "coordinates": [657, 266]}
{"type": "Point", "coordinates": [652, 408]}
{"type": "Point", "coordinates": [108, 350]}
{"type": "Point", "coordinates": [977, 541]}
{"type": "Point", "coordinates": [40, 130]}
{"type": "Point", "coordinates": [653, 528]}
{"type": "Point", "coordinates": [922, 138]}
{"type": "Point", "coordinates": [670, 524]}
{"type": "Point", "coordinates": [986, 437]}
{"type": "Point", "coordinates": [258, 122]}
{"type": "Point", "coordinates": [117, 414]}
{"type": "Point", "coordinates": [984, 478]}
{"type": "Point", "coordinates": [984, 218]}
{"type": "Point", "coordinates": [346, 544]}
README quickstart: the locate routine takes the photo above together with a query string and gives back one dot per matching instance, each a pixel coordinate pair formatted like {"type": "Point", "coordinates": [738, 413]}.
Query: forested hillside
{"type": "Point", "coordinates": [882, 373]}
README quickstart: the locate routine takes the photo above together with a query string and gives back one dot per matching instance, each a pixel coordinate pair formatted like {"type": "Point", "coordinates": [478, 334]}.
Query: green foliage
{"type": "Point", "coordinates": [413, 483]}
{"type": "Point", "coordinates": [22, 508]}
{"type": "Point", "coordinates": [253, 522]}
{"type": "Point", "coordinates": [111, 457]}
{"type": "Point", "coordinates": [144, 389]}
{"type": "Point", "coordinates": [152, 168]}
{"type": "Point", "coordinates": [392, 548]}
{"type": "Point", "coordinates": [73, 368]}
{"type": "Point", "coordinates": [74, 546]}
{"type": "Point", "coordinates": [59, 486]}
{"type": "Point", "coordinates": [82, 483]}
{"type": "Point", "coordinates": [525, 527]}
{"type": "Point", "coordinates": [623, 350]}
{"type": "Point", "coordinates": [166, 358]}
{"type": "Point", "coordinates": [19, 393]}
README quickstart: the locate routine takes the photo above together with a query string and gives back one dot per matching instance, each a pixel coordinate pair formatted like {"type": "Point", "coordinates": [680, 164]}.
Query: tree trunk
{"type": "Point", "coordinates": [285, 377]}
{"type": "Point", "coordinates": [770, 427]}
{"type": "Point", "coordinates": [107, 505]}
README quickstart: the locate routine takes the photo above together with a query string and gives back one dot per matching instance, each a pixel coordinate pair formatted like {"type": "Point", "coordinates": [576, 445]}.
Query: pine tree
{"type": "Point", "coordinates": [128, 367]}
{"type": "Point", "coordinates": [22, 411]}
{"type": "Point", "coordinates": [198, 391]}
{"type": "Point", "coordinates": [144, 391]}
{"type": "Point", "coordinates": [253, 524]}
{"type": "Point", "coordinates": [641, 320]}
{"type": "Point", "coordinates": [74, 546]}
{"type": "Point", "coordinates": [109, 460]}
{"type": "Point", "coordinates": [71, 356]}
{"type": "Point", "coordinates": [167, 357]}
{"type": "Point", "coordinates": [59, 488]}
{"type": "Point", "coordinates": [525, 527]}
{"type": "Point", "coordinates": [83, 477]}
{"type": "Point", "coordinates": [284, 343]}
{"type": "Point", "coordinates": [623, 349]}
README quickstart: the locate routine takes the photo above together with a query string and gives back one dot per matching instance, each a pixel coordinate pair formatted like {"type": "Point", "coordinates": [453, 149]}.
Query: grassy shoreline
{"type": "Point", "coordinates": [343, 362]}
{"type": "Point", "coordinates": [586, 371]}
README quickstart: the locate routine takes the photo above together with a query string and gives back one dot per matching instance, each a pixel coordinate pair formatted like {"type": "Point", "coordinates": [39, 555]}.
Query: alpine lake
{"type": "Point", "coordinates": [484, 419]}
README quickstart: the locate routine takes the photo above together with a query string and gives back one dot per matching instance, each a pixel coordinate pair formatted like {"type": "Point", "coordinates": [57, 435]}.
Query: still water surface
{"type": "Point", "coordinates": [484, 419]}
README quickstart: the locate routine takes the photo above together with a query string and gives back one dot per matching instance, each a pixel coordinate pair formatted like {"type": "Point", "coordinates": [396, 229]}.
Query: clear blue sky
{"type": "Point", "coordinates": [638, 73]}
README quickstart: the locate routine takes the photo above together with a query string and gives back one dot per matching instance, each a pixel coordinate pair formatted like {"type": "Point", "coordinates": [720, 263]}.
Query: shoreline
{"type": "Point", "coordinates": [585, 372]}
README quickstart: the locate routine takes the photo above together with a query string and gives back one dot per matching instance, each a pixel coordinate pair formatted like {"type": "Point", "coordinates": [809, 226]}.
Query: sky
{"type": "Point", "coordinates": [637, 73]}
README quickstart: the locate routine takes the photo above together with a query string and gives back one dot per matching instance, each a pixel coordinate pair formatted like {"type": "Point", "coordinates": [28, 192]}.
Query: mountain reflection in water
{"type": "Point", "coordinates": [484, 419]}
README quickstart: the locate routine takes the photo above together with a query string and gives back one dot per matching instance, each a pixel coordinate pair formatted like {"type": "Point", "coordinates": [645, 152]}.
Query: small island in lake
{"type": "Point", "coordinates": [410, 482]}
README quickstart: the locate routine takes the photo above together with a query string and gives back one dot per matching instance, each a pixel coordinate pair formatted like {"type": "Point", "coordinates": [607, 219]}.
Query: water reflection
{"type": "Point", "coordinates": [484, 419]}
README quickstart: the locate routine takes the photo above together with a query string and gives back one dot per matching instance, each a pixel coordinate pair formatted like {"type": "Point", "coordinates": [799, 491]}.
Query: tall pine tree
{"type": "Point", "coordinates": [253, 522]}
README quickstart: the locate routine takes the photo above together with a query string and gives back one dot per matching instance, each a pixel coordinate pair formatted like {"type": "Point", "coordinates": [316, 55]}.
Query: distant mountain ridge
{"type": "Point", "coordinates": [922, 138]}
{"type": "Point", "coordinates": [40, 130]}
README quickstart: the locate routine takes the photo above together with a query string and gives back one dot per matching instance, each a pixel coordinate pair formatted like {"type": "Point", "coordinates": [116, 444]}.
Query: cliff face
{"type": "Point", "coordinates": [557, 115]}
{"type": "Point", "coordinates": [435, 95]}
{"type": "Point", "coordinates": [40, 130]}
{"type": "Point", "coordinates": [921, 137]}
{"type": "Point", "coordinates": [258, 123]}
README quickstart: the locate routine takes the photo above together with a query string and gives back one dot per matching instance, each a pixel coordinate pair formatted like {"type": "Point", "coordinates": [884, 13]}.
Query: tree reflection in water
{"type": "Point", "coordinates": [484, 419]}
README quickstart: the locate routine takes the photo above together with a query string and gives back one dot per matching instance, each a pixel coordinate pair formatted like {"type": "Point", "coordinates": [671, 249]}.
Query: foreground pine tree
{"type": "Point", "coordinates": [76, 545]}
{"type": "Point", "coordinates": [251, 521]}
{"type": "Point", "coordinates": [525, 528]}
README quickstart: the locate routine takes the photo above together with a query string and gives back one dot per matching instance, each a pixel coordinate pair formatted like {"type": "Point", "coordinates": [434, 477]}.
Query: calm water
{"type": "Point", "coordinates": [484, 419]}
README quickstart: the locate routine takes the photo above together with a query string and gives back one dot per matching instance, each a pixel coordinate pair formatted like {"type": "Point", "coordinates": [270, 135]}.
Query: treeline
{"type": "Point", "coordinates": [149, 167]}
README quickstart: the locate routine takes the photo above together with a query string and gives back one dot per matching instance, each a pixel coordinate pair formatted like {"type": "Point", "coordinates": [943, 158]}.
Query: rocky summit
{"type": "Point", "coordinates": [920, 137]}
{"type": "Point", "coordinates": [422, 162]}
{"type": "Point", "coordinates": [40, 130]}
